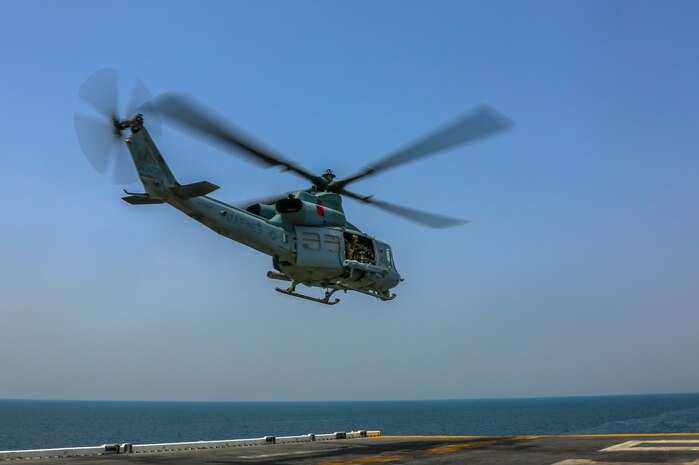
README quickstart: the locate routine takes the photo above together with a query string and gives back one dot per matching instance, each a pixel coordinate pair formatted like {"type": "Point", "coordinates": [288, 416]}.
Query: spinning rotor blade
{"type": "Point", "coordinates": [141, 101]}
{"type": "Point", "coordinates": [101, 92]}
{"type": "Point", "coordinates": [186, 111]}
{"type": "Point", "coordinates": [417, 216]}
{"type": "Point", "coordinates": [96, 140]}
{"type": "Point", "coordinates": [105, 151]}
{"type": "Point", "coordinates": [483, 122]}
{"type": "Point", "coordinates": [101, 142]}
{"type": "Point", "coordinates": [140, 96]}
{"type": "Point", "coordinates": [427, 219]}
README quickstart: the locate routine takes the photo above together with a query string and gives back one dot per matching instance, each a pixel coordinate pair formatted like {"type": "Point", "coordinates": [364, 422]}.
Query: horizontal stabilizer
{"type": "Point", "coordinates": [196, 189]}
{"type": "Point", "coordinates": [141, 200]}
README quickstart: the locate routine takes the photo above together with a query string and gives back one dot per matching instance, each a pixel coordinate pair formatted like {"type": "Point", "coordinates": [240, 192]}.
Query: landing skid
{"type": "Point", "coordinates": [381, 296]}
{"type": "Point", "coordinates": [325, 300]}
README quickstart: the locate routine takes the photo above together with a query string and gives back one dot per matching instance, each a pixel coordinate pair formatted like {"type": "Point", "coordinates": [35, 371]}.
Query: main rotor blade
{"type": "Point", "coordinates": [101, 92]}
{"type": "Point", "coordinates": [428, 219]}
{"type": "Point", "coordinates": [186, 111]}
{"type": "Point", "coordinates": [431, 220]}
{"type": "Point", "coordinates": [483, 122]}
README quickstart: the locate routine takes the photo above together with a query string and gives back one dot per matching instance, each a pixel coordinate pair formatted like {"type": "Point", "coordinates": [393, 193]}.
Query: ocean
{"type": "Point", "coordinates": [32, 424]}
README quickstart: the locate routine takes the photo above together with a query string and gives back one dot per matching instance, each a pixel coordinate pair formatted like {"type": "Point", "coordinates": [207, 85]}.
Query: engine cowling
{"type": "Point", "coordinates": [263, 210]}
{"type": "Point", "coordinates": [306, 213]}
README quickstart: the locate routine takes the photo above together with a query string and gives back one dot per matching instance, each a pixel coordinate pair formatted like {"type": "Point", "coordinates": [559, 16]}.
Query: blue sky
{"type": "Point", "coordinates": [577, 276]}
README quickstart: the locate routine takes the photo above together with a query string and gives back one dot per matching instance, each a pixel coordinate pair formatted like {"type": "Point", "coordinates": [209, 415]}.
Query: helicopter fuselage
{"type": "Point", "coordinates": [306, 234]}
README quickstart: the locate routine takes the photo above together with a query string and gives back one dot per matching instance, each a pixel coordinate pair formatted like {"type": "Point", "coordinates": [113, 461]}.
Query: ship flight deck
{"type": "Point", "coordinates": [349, 449]}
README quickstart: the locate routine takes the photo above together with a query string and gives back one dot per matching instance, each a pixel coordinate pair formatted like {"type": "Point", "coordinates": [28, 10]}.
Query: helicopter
{"type": "Point", "coordinates": [306, 232]}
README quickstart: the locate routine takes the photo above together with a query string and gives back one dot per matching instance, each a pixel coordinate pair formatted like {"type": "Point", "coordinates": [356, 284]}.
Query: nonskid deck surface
{"type": "Point", "coordinates": [548, 450]}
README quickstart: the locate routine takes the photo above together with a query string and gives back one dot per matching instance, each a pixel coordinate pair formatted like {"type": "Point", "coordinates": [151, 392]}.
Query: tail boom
{"type": "Point", "coordinates": [192, 199]}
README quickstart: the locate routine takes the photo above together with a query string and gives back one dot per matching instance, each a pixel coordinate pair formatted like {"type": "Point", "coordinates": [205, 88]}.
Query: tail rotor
{"type": "Point", "coordinates": [101, 134]}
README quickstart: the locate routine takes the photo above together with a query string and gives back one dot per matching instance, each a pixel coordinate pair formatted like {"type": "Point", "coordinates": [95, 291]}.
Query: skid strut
{"type": "Point", "coordinates": [325, 300]}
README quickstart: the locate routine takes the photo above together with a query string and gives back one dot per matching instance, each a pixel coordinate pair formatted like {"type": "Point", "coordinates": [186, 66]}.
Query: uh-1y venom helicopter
{"type": "Point", "coordinates": [306, 233]}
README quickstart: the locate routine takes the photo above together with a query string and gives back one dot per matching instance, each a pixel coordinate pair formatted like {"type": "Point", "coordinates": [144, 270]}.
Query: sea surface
{"type": "Point", "coordinates": [31, 424]}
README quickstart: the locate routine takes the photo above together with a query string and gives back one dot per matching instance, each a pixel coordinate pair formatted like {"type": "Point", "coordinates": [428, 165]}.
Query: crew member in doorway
{"type": "Point", "coordinates": [352, 247]}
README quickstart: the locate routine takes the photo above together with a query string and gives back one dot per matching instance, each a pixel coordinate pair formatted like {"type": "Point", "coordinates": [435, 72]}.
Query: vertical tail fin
{"type": "Point", "coordinates": [152, 169]}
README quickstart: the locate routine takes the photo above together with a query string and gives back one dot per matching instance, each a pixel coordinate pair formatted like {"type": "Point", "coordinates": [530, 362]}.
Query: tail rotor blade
{"type": "Point", "coordinates": [141, 101]}
{"type": "Point", "coordinates": [139, 96]}
{"type": "Point", "coordinates": [102, 144]}
{"type": "Point", "coordinates": [101, 92]}
{"type": "Point", "coordinates": [97, 141]}
{"type": "Point", "coordinates": [122, 170]}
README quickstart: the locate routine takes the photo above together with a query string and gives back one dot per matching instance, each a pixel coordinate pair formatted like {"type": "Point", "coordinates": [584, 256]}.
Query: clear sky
{"type": "Point", "coordinates": [579, 274]}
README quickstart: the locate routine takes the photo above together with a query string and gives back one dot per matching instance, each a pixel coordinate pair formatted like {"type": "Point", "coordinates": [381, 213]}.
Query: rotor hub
{"type": "Point", "coordinates": [134, 124]}
{"type": "Point", "coordinates": [324, 182]}
{"type": "Point", "coordinates": [329, 175]}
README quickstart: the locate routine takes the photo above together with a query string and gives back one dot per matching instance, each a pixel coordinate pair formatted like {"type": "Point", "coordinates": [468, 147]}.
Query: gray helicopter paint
{"type": "Point", "coordinates": [238, 225]}
{"type": "Point", "coordinates": [227, 220]}
{"type": "Point", "coordinates": [270, 227]}
{"type": "Point", "coordinates": [319, 247]}
{"type": "Point", "coordinates": [320, 264]}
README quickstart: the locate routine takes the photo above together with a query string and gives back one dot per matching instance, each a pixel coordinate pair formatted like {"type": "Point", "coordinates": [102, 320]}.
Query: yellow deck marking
{"type": "Point", "coordinates": [535, 436]}
{"type": "Point", "coordinates": [485, 441]}
{"type": "Point", "coordinates": [616, 435]}
{"type": "Point", "coordinates": [436, 437]}
{"type": "Point", "coordinates": [432, 451]}
{"type": "Point", "coordinates": [370, 459]}
{"type": "Point", "coordinates": [455, 447]}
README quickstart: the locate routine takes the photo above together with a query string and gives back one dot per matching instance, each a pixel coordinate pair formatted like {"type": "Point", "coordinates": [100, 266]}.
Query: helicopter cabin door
{"type": "Point", "coordinates": [319, 247]}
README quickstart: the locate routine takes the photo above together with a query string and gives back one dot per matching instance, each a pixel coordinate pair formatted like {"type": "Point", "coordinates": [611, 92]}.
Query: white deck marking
{"type": "Point", "coordinates": [659, 445]}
